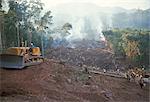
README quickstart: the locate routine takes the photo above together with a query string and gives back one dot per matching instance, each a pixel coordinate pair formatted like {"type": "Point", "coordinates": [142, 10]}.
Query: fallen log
{"type": "Point", "coordinates": [107, 74]}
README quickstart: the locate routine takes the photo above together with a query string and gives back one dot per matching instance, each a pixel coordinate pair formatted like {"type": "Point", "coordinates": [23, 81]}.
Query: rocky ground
{"type": "Point", "coordinates": [59, 79]}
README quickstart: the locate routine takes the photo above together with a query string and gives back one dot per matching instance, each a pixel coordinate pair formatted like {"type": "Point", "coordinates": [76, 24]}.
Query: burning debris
{"type": "Point", "coordinates": [86, 52]}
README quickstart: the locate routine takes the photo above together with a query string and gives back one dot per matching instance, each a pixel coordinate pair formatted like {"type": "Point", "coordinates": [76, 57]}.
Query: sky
{"type": "Point", "coordinates": [128, 4]}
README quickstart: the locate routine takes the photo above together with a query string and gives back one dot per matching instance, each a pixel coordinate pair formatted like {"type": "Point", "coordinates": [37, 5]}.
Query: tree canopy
{"type": "Point", "coordinates": [132, 43]}
{"type": "Point", "coordinates": [23, 20]}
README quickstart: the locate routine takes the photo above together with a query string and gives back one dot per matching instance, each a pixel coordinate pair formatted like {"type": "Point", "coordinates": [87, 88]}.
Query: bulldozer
{"type": "Point", "coordinates": [20, 57]}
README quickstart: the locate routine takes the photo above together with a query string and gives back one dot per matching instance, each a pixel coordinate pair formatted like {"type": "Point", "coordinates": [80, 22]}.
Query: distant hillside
{"type": "Point", "coordinates": [70, 12]}
{"type": "Point", "coordinates": [88, 20]}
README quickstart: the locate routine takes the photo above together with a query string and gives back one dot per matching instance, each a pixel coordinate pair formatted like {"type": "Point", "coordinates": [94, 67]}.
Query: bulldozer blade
{"type": "Point", "coordinates": [11, 61]}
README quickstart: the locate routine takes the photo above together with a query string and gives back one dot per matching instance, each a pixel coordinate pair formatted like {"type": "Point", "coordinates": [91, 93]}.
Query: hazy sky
{"type": "Point", "coordinates": [128, 4]}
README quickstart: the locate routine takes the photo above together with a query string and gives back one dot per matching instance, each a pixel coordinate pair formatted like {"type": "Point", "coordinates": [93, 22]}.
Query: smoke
{"type": "Point", "coordinates": [5, 5]}
{"type": "Point", "coordinates": [85, 20]}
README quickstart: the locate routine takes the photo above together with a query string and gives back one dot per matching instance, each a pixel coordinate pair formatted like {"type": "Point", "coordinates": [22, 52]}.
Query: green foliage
{"type": "Point", "coordinates": [65, 28]}
{"type": "Point", "coordinates": [132, 43]}
{"type": "Point", "coordinates": [114, 37]}
{"type": "Point", "coordinates": [24, 20]}
{"type": "Point", "coordinates": [10, 21]}
{"type": "Point", "coordinates": [0, 4]}
{"type": "Point", "coordinates": [42, 23]}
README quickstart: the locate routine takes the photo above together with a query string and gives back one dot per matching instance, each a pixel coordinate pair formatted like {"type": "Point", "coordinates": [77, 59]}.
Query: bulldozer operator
{"type": "Point", "coordinates": [31, 48]}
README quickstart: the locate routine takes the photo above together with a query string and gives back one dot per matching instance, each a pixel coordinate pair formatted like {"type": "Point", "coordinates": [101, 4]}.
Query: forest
{"type": "Point", "coordinates": [26, 21]}
{"type": "Point", "coordinates": [130, 43]}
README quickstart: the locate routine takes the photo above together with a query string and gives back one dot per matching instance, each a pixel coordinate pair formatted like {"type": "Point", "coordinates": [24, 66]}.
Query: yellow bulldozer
{"type": "Point", "coordinates": [20, 57]}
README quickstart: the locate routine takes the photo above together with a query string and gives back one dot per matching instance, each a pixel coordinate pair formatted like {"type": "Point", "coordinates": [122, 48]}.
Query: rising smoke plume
{"type": "Point", "coordinates": [85, 19]}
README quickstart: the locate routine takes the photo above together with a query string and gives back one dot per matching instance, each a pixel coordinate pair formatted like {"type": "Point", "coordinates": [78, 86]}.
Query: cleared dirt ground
{"type": "Point", "coordinates": [54, 82]}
